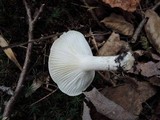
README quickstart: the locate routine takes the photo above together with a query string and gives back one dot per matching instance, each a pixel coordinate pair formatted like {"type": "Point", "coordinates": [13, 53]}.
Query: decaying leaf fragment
{"type": "Point", "coordinates": [112, 46]}
{"type": "Point", "coordinates": [37, 83]}
{"type": "Point", "coordinates": [107, 107]}
{"type": "Point", "coordinates": [7, 90]}
{"type": "Point", "coordinates": [9, 52]}
{"type": "Point", "coordinates": [152, 29]}
{"type": "Point", "coordinates": [128, 5]}
{"type": "Point", "coordinates": [118, 24]}
{"type": "Point", "coordinates": [130, 96]}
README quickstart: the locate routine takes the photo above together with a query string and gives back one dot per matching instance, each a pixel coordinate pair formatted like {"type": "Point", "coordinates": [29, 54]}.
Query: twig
{"type": "Point", "coordinates": [44, 97]}
{"type": "Point", "coordinates": [140, 26]}
{"type": "Point", "coordinates": [10, 104]}
{"type": "Point", "coordinates": [31, 41]}
{"type": "Point", "coordinates": [93, 15]}
{"type": "Point", "coordinates": [156, 6]}
{"type": "Point", "coordinates": [93, 40]}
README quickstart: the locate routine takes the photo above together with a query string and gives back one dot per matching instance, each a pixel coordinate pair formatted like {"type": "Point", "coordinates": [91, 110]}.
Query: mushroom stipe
{"type": "Point", "coordinates": [72, 65]}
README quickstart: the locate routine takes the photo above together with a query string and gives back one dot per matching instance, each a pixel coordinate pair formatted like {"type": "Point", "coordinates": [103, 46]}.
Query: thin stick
{"type": "Point", "coordinates": [10, 104]}
{"type": "Point", "coordinates": [140, 26]}
{"type": "Point", "coordinates": [93, 15]}
{"type": "Point", "coordinates": [93, 40]}
{"type": "Point", "coordinates": [32, 41]}
{"type": "Point", "coordinates": [43, 97]}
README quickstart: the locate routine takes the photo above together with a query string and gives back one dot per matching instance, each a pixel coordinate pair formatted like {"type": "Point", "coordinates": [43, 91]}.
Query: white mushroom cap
{"type": "Point", "coordinates": [65, 58]}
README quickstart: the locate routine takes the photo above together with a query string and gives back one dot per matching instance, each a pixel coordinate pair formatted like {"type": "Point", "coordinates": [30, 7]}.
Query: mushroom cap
{"type": "Point", "coordinates": [65, 59]}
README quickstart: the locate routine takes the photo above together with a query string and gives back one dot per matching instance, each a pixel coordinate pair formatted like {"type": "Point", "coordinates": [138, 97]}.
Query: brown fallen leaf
{"type": "Point", "coordinates": [152, 29]}
{"type": "Point", "coordinates": [148, 69]}
{"type": "Point", "coordinates": [112, 46]}
{"type": "Point", "coordinates": [129, 96]}
{"type": "Point", "coordinates": [128, 5]}
{"type": "Point", "coordinates": [155, 81]}
{"type": "Point", "coordinates": [9, 52]}
{"type": "Point", "coordinates": [107, 107]}
{"type": "Point", "coordinates": [149, 54]}
{"type": "Point", "coordinates": [118, 24]}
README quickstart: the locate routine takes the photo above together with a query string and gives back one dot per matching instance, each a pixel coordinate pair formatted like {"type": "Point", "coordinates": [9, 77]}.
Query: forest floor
{"type": "Point", "coordinates": [108, 30]}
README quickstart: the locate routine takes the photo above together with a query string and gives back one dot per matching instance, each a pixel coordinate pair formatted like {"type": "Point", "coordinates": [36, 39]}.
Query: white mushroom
{"type": "Point", "coordinates": [72, 65]}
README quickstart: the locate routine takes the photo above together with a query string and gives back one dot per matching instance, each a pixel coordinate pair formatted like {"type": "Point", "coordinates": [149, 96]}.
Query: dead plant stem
{"type": "Point", "coordinates": [31, 41]}
{"type": "Point", "coordinates": [43, 97]}
{"type": "Point", "coordinates": [93, 14]}
{"type": "Point", "coordinates": [10, 104]}
{"type": "Point", "coordinates": [140, 26]}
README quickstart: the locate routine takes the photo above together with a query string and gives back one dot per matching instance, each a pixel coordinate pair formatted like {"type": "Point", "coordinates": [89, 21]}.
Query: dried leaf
{"type": "Point", "coordinates": [128, 5]}
{"type": "Point", "coordinates": [86, 112]}
{"type": "Point", "coordinates": [37, 83]}
{"type": "Point", "coordinates": [107, 107]}
{"type": "Point", "coordinates": [149, 54]}
{"type": "Point", "coordinates": [155, 56]}
{"type": "Point", "coordinates": [129, 96]}
{"type": "Point", "coordinates": [148, 69]}
{"type": "Point", "coordinates": [112, 46]}
{"type": "Point", "coordinates": [119, 24]}
{"type": "Point", "coordinates": [155, 81]}
{"type": "Point", "coordinates": [9, 52]}
{"type": "Point", "coordinates": [152, 29]}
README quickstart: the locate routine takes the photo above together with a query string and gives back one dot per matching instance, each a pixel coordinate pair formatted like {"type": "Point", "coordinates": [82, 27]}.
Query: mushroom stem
{"type": "Point", "coordinates": [107, 62]}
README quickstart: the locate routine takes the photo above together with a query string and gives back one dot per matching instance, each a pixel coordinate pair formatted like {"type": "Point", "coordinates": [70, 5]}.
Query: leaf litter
{"type": "Point", "coordinates": [128, 5]}
{"type": "Point", "coordinates": [152, 29]}
{"type": "Point", "coordinates": [37, 83]}
{"type": "Point", "coordinates": [118, 24]}
{"type": "Point", "coordinates": [107, 107]}
{"type": "Point", "coordinates": [113, 45]}
{"type": "Point", "coordinates": [130, 96]}
{"type": "Point", "coordinates": [121, 101]}
{"type": "Point", "coordinates": [10, 54]}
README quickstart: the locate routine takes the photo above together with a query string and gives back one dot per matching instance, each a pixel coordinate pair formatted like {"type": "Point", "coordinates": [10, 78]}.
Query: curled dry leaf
{"type": "Point", "coordinates": [9, 52]}
{"type": "Point", "coordinates": [152, 29]}
{"type": "Point", "coordinates": [118, 24]}
{"type": "Point", "coordinates": [129, 96]}
{"type": "Point", "coordinates": [107, 107]}
{"type": "Point", "coordinates": [112, 46]}
{"type": "Point", "coordinates": [37, 83]}
{"type": "Point", "coordinates": [128, 5]}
